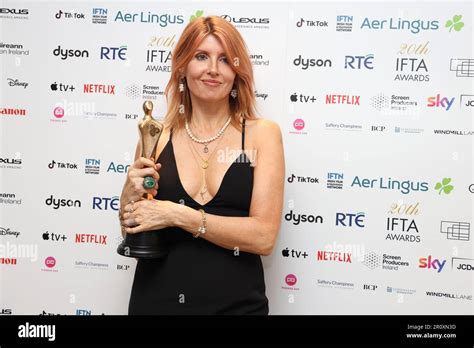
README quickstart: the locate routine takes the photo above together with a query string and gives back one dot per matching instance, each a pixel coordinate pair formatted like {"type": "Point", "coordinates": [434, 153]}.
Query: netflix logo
{"type": "Point", "coordinates": [91, 238]}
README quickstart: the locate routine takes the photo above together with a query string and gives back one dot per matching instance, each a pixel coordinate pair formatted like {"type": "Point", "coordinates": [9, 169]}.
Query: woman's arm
{"type": "Point", "coordinates": [256, 233]}
{"type": "Point", "coordinates": [133, 188]}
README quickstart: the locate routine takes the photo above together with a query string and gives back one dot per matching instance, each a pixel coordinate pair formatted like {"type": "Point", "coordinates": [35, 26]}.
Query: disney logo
{"type": "Point", "coordinates": [16, 82]}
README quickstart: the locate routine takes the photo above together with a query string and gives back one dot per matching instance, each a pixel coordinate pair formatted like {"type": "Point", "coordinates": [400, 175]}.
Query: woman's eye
{"type": "Point", "coordinates": [224, 59]}
{"type": "Point", "coordinates": [200, 56]}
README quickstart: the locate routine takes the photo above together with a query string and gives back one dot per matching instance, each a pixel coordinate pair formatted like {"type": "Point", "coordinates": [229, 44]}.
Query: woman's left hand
{"type": "Point", "coordinates": [146, 215]}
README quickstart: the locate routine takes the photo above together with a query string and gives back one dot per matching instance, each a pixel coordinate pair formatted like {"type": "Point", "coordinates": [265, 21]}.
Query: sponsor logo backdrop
{"type": "Point", "coordinates": [375, 101]}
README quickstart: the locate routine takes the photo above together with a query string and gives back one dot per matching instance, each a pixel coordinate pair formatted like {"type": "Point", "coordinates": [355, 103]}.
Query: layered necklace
{"type": "Point", "coordinates": [206, 142]}
{"type": "Point", "coordinates": [204, 163]}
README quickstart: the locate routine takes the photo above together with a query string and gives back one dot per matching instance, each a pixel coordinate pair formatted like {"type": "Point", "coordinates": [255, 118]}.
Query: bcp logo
{"type": "Point", "coordinates": [105, 203]}
{"type": "Point", "coordinates": [378, 128]}
{"type": "Point", "coordinates": [359, 62]}
{"type": "Point", "coordinates": [50, 262]}
{"type": "Point", "coordinates": [349, 219]}
{"type": "Point", "coordinates": [290, 279]}
{"type": "Point", "coordinates": [113, 53]}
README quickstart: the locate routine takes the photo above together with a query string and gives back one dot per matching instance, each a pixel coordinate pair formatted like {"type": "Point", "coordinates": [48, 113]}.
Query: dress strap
{"type": "Point", "coordinates": [243, 134]}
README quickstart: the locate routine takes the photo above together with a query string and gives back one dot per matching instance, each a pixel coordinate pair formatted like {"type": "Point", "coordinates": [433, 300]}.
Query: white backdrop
{"type": "Point", "coordinates": [375, 103]}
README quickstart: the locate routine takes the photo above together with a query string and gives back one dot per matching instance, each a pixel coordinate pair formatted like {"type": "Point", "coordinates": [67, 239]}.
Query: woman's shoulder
{"type": "Point", "coordinates": [263, 133]}
{"type": "Point", "coordinates": [264, 127]}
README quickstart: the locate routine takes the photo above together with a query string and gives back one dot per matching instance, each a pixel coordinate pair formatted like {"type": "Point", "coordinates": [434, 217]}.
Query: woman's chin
{"type": "Point", "coordinates": [211, 98]}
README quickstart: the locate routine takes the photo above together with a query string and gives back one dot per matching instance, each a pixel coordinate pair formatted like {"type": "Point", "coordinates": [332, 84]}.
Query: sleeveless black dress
{"type": "Point", "coordinates": [197, 276]}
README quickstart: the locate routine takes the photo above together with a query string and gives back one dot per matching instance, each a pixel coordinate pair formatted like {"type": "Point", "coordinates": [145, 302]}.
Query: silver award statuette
{"type": "Point", "coordinates": [149, 244]}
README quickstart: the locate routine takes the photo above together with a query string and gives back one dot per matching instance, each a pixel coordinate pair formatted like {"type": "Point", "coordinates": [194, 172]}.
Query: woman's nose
{"type": "Point", "coordinates": [212, 69]}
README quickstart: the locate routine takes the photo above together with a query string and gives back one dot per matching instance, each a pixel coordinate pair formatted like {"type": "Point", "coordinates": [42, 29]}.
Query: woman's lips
{"type": "Point", "coordinates": [212, 83]}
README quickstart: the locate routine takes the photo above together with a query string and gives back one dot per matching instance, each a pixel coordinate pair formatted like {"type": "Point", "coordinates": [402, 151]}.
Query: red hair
{"type": "Point", "coordinates": [237, 55]}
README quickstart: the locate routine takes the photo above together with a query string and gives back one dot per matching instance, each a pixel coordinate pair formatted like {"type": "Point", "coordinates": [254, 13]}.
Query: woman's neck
{"type": "Point", "coordinates": [208, 118]}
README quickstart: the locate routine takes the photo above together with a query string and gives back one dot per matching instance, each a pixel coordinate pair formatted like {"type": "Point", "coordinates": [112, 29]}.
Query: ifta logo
{"type": "Point", "coordinates": [290, 279]}
{"type": "Point", "coordinates": [50, 262]}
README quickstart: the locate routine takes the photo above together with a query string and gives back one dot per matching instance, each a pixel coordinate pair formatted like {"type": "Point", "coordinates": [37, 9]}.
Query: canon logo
{"type": "Point", "coordinates": [7, 261]}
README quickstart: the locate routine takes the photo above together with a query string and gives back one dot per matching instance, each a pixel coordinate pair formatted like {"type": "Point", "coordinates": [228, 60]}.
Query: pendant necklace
{"type": "Point", "coordinates": [204, 165]}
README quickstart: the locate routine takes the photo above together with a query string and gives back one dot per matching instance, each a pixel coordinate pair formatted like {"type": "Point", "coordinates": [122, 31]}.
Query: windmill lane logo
{"type": "Point", "coordinates": [454, 23]}
{"type": "Point", "coordinates": [456, 230]}
{"type": "Point", "coordinates": [444, 186]}
{"type": "Point", "coordinates": [463, 67]}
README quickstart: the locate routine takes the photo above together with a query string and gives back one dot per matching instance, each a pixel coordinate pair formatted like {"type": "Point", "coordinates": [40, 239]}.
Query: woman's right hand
{"type": "Point", "coordinates": [142, 167]}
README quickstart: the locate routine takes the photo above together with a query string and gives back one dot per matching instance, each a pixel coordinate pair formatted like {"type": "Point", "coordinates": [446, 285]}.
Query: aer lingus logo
{"type": "Point", "coordinates": [454, 23]}
{"type": "Point", "coordinates": [444, 186]}
{"type": "Point", "coordinates": [198, 14]}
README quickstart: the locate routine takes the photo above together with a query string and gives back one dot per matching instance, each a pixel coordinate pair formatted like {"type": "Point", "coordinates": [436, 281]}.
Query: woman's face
{"type": "Point", "coordinates": [209, 75]}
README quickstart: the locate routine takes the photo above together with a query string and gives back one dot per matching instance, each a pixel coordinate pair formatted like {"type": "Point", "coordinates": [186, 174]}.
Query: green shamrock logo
{"type": "Point", "coordinates": [455, 23]}
{"type": "Point", "coordinates": [444, 186]}
{"type": "Point", "coordinates": [198, 14]}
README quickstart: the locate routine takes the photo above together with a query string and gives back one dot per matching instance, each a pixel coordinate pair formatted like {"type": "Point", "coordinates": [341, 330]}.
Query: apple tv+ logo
{"type": "Point", "coordinates": [294, 253]}
{"type": "Point", "coordinates": [53, 236]}
{"type": "Point", "coordinates": [62, 87]}
{"type": "Point", "coordinates": [302, 98]}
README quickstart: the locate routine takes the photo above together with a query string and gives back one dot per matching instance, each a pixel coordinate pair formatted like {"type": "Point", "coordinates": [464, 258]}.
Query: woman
{"type": "Point", "coordinates": [218, 202]}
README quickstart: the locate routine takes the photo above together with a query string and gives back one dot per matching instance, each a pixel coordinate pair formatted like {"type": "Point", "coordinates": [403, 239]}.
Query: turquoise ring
{"type": "Point", "coordinates": [149, 182]}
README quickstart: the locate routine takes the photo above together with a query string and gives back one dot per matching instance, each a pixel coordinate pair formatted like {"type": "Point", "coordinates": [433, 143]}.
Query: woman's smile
{"type": "Point", "coordinates": [211, 82]}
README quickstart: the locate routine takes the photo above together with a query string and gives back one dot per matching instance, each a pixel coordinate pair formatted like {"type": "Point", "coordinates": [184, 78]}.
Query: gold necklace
{"type": "Point", "coordinates": [204, 165]}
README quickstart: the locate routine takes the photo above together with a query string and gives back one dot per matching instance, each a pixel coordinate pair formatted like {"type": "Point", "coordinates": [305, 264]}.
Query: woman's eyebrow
{"type": "Point", "coordinates": [204, 51]}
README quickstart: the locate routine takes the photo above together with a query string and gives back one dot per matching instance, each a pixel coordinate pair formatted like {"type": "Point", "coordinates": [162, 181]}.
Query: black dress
{"type": "Point", "coordinates": [197, 276]}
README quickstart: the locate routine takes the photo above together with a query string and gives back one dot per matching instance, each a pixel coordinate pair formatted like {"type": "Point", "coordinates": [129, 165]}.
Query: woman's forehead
{"type": "Point", "coordinates": [210, 44]}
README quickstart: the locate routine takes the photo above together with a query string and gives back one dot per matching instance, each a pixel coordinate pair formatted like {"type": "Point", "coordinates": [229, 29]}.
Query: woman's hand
{"type": "Point", "coordinates": [141, 168]}
{"type": "Point", "coordinates": [147, 215]}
